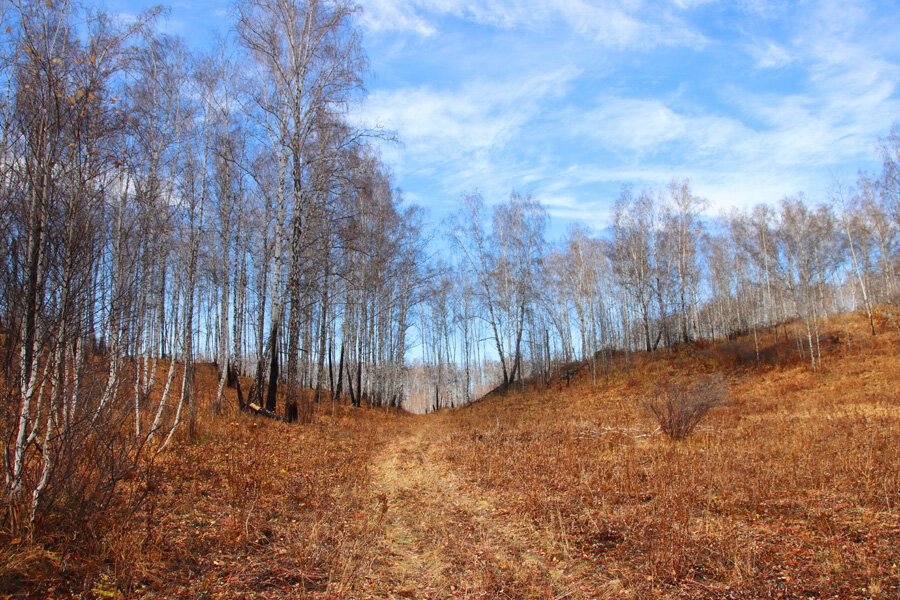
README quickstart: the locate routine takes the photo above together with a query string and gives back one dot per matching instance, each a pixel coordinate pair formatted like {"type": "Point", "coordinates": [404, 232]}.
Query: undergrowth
{"type": "Point", "coordinates": [249, 508]}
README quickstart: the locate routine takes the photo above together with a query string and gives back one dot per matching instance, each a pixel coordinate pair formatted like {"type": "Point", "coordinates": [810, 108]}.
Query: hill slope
{"type": "Point", "coordinates": [567, 491]}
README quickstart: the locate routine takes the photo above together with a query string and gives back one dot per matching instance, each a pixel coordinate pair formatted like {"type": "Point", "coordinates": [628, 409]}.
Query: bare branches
{"type": "Point", "coordinates": [679, 407]}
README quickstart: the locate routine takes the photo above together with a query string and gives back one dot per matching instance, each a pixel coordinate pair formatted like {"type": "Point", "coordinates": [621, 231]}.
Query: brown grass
{"type": "Point", "coordinates": [790, 491]}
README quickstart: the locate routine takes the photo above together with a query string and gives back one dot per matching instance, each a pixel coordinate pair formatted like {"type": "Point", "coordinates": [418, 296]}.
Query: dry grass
{"type": "Point", "coordinates": [250, 508]}
{"type": "Point", "coordinates": [790, 491]}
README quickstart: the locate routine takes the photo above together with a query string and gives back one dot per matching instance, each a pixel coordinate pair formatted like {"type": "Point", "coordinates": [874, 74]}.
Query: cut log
{"type": "Point", "coordinates": [264, 412]}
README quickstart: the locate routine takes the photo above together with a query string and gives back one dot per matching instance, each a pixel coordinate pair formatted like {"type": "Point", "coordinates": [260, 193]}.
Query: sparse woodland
{"type": "Point", "coordinates": [194, 240]}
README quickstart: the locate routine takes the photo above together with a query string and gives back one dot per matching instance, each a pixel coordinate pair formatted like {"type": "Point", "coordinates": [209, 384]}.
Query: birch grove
{"type": "Point", "coordinates": [166, 211]}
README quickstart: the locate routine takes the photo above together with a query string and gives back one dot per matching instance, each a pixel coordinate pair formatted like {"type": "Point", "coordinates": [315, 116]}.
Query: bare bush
{"type": "Point", "coordinates": [680, 405]}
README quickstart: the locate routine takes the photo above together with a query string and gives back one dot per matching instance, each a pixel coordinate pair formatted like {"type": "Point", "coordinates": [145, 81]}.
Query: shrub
{"type": "Point", "coordinates": [679, 406]}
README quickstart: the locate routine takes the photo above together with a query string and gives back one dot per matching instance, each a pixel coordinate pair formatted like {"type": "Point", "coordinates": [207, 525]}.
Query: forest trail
{"type": "Point", "coordinates": [443, 537]}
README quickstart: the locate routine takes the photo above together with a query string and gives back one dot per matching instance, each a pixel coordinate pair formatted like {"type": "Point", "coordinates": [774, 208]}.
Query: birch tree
{"type": "Point", "coordinates": [308, 56]}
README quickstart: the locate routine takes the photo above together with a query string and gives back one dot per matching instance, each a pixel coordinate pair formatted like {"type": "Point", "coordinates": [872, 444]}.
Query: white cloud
{"type": "Point", "coordinates": [644, 127]}
{"type": "Point", "coordinates": [633, 124]}
{"type": "Point", "coordinates": [748, 138]}
{"type": "Point", "coordinates": [768, 144]}
{"type": "Point", "coordinates": [801, 142]}
{"type": "Point", "coordinates": [611, 23]}
{"type": "Point", "coordinates": [688, 4]}
{"type": "Point", "coordinates": [608, 24]}
{"type": "Point", "coordinates": [456, 132]}
{"type": "Point", "coordinates": [770, 55]}
{"type": "Point", "coordinates": [389, 16]}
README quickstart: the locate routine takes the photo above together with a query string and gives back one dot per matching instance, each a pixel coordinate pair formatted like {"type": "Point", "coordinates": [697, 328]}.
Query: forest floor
{"type": "Point", "coordinates": [566, 490]}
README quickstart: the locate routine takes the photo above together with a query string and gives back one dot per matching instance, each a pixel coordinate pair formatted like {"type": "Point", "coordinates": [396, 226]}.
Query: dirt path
{"type": "Point", "coordinates": [444, 538]}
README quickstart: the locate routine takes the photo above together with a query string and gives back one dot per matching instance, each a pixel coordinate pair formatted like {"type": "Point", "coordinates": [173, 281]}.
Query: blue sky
{"type": "Point", "coordinates": [570, 99]}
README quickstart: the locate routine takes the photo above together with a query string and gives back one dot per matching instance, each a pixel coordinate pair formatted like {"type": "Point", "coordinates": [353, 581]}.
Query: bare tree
{"type": "Point", "coordinates": [632, 254]}
{"type": "Point", "coordinates": [308, 55]}
{"type": "Point", "coordinates": [71, 226]}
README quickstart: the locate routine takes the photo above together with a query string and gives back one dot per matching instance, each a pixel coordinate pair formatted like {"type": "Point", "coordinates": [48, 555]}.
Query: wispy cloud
{"type": "Point", "coordinates": [570, 99]}
{"type": "Point", "coordinates": [389, 16]}
{"type": "Point", "coordinates": [750, 101]}
{"type": "Point", "coordinates": [457, 132]}
{"type": "Point", "coordinates": [648, 127]}
{"type": "Point", "coordinates": [610, 23]}
{"type": "Point", "coordinates": [770, 55]}
{"type": "Point", "coordinates": [799, 142]}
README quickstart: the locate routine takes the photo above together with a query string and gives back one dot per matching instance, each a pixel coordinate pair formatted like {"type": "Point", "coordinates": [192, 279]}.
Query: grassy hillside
{"type": "Point", "coordinates": [560, 491]}
{"type": "Point", "coordinates": [791, 491]}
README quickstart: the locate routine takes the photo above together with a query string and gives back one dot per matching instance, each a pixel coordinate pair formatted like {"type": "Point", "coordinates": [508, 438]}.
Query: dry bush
{"type": "Point", "coordinates": [82, 476]}
{"type": "Point", "coordinates": [264, 508]}
{"type": "Point", "coordinates": [680, 406]}
{"type": "Point", "coordinates": [72, 469]}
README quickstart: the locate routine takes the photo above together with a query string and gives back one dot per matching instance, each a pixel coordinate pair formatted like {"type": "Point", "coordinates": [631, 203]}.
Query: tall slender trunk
{"type": "Point", "coordinates": [340, 381]}
{"type": "Point", "coordinates": [293, 329]}
{"type": "Point", "coordinates": [859, 277]}
{"type": "Point", "coordinates": [323, 338]}
{"type": "Point", "coordinates": [272, 391]}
